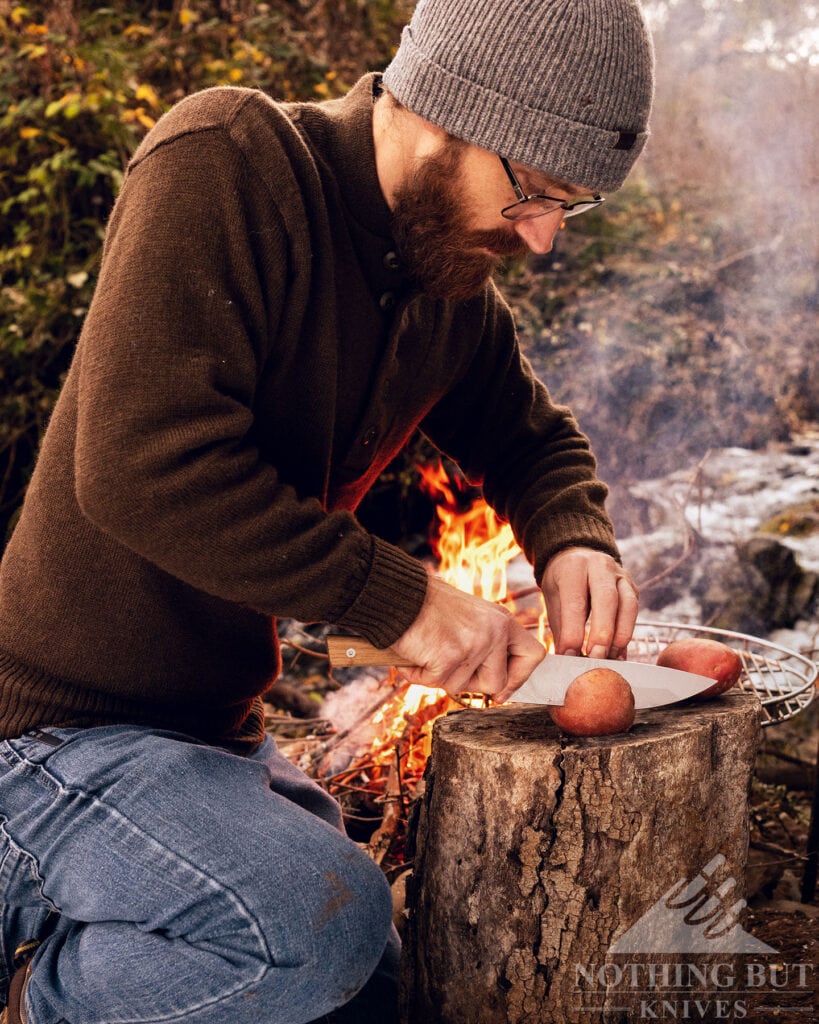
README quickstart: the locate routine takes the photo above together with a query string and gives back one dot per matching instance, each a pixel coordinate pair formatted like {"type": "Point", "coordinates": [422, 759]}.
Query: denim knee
{"type": "Point", "coordinates": [351, 924]}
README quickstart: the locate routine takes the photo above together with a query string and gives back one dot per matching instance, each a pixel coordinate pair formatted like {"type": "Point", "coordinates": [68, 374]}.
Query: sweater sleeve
{"type": "Point", "coordinates": [167, 460]}
{"type": "Point", "coordinates": [536, 467]}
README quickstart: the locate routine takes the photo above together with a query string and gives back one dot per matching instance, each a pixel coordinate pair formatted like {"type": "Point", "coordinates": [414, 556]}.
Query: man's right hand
{"type": "Point", "coordinates": [463, 643]}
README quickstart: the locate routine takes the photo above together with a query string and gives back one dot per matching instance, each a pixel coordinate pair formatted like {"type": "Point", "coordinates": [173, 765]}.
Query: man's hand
{"type": "Point", "coordinates": [463, 643]}
{"type": "Point", "coordinates": [581, 585]}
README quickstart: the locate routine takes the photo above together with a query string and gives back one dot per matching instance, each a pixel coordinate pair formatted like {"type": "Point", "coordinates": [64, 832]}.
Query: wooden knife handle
{"type": "Point", "coordinates": [352, 650]}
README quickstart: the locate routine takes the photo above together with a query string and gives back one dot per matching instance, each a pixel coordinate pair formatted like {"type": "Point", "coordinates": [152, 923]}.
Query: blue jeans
{"type": "Point", "coordinates": [175, 881]}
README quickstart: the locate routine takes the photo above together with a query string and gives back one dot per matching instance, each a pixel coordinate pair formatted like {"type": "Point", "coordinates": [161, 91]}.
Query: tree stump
{"type": "Point", "coordinates": [536, 854]}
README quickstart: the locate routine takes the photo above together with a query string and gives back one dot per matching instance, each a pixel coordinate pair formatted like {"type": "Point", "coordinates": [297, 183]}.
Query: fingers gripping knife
{"type": "Point", "coordinates": [653, 686]}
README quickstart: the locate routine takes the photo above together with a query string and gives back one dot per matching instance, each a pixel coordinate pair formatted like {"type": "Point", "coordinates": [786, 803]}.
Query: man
{"type": "Point", "coordinates": [286, 292]}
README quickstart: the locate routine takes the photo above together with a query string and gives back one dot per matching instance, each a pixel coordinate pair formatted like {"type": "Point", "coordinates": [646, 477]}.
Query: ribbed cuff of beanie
{"type": "Point", "coordinates": [391, 598]}
{"type": "Point", "coordinates": [573, 152]}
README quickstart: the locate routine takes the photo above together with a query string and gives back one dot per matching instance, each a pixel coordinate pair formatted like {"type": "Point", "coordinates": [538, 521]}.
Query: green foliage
{"type": "Point", "coordinates": [79, 87]}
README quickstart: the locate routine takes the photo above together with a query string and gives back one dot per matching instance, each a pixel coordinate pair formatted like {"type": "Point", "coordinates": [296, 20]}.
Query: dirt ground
{"type": "Point", "coordinates": [795, 934]}
{"type": "Point", "coordinates": [780, 815]}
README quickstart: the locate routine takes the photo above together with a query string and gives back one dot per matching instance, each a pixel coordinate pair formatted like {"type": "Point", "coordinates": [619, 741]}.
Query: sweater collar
{"type": "Point", "coordinates": [349, 147]}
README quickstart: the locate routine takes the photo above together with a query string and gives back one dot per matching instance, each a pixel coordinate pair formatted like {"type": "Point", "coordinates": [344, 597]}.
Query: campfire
{"type": "Point", "coordinates": [473, 549]}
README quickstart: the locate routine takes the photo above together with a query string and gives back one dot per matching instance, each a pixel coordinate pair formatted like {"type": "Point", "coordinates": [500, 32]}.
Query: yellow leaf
{"type": "Point", "coordinates": [37, 30]}
{"type": "Point", "coordinates": [145, 92]}
{"type": "Point", "coordinates": [187, 16]}
{"type": "Point", "coordinates": [322, 88]}
{"type": "Point", "coordinates": [18, 14]}
{"type": "Point", "coordinates": [145, 120]}
{"type": "Point", "coordinates": [33, 51]}
{"type": "Point", "coordinates": [56, 106]}
{"type": "Point", "coordinates": [28, 132]}
{"type": "Point", "coordinates": [235, 74]}
{"type": "Point", "coordinates": [137, 30]}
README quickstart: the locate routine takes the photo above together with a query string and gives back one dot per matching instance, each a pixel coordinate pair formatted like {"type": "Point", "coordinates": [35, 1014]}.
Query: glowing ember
{"type": "Point", "coordinates": [406, 718]}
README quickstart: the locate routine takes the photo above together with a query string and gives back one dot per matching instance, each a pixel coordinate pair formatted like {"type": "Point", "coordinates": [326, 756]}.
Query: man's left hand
{"type": "Point", "coordinates": [581, 585]}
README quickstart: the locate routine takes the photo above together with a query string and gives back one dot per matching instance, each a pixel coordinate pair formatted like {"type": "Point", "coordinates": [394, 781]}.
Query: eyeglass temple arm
{"type": "Point", "coordinates": [510, 174]}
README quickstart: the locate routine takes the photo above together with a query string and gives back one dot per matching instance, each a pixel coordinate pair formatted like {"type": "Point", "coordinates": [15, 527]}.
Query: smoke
{"type": "Point", "coordinates": [683, 316]}
{"type": "Point", "coordinates": [735, 117]}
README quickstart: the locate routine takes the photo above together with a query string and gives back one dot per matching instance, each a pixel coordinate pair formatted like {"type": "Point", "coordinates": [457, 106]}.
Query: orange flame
{"type": "Point", "coordinates": [407, 719]}
{"type": "Point", "coordinates": [474, 547]}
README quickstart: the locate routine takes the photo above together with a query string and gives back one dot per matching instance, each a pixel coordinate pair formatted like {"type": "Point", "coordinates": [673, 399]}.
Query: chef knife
{"type": "Point", "coordinates": [653, 686]}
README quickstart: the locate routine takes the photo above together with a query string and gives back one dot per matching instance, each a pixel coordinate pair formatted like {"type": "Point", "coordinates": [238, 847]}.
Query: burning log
{"type": "Point", "coordinates": [536, 855]}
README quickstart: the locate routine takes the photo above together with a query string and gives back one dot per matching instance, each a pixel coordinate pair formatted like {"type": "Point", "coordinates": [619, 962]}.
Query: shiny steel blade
{"type": "Point", "coordinates": [653, 686]}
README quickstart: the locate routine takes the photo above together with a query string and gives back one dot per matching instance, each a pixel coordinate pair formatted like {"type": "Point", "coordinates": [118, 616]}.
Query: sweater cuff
{"type": "Point", "coordinates": [570, 531]}
{"type": "Point", "coordinates": [391, 598]}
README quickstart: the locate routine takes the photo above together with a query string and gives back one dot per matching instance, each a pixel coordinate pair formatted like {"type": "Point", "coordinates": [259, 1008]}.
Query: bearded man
{"type": "Point", "coordinates": [287, 291]}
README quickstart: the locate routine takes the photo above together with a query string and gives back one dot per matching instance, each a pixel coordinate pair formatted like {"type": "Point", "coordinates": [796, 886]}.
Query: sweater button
{"type": "Point", "coordinates": [391, 260]}
{"type": "Point", "coordinates": [387, 301]}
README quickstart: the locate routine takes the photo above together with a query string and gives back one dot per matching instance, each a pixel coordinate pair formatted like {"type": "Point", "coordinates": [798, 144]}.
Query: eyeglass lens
{"type": "Point", "coordinates": [527, 209]}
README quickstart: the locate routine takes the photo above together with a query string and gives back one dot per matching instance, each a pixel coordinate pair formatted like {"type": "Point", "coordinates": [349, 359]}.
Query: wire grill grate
{"type": "Point", "coordinates": [784, 680]}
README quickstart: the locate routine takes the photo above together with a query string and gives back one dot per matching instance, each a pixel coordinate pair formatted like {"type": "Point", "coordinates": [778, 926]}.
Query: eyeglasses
{"type": "Point", "coordinates": [528, 207]}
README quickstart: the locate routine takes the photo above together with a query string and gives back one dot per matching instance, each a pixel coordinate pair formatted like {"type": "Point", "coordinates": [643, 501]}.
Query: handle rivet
{"type": "Point", "coordinates": [350, 652]}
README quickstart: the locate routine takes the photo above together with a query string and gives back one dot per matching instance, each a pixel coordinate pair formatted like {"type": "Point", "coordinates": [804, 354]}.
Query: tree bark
{"type": "Point", "coordinates": [535, 853]}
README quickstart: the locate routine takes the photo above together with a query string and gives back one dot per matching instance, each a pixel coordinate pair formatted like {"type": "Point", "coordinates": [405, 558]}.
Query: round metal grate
{"type": "Point", "coordinates": [784, 680]}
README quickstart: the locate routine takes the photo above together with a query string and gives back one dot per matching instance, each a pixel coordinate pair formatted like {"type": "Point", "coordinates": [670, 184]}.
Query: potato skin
{"type": "Point", "coordinates": [598, 702]}
{"type": "Point", "coordinates": [704, 658]}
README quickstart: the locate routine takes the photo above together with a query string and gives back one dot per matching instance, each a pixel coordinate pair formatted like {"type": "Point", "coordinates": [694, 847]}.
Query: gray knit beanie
{"type": "Point", "coordinates": [563, 86]}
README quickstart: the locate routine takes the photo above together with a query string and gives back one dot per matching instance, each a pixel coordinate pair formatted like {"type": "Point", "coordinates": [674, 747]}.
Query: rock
{"type": "Point", "coordinates": [792, 592]}
{"type": "Point", "coordinates": [732, 593]}
{"type": "Point", "coordinates": [799, 520]}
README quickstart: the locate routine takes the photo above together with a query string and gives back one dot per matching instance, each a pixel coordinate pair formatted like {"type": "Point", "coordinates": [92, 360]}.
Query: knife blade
{"type": "Point", "coordinates": [653, 686]}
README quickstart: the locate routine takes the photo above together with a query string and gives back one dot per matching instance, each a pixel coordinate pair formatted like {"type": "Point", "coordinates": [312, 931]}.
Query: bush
{"type": "Point", "coordinates": [79, 87]}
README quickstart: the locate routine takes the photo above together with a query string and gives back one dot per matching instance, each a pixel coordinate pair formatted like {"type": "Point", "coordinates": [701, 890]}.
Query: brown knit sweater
{"type": "Point", "coordinates": [252, 359]}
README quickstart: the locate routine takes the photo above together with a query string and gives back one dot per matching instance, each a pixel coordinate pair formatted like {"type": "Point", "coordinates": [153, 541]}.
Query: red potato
{"type": "Point", "coordinates": [597, 703]}
{"type": "Point", "coordinates": [704, 658]}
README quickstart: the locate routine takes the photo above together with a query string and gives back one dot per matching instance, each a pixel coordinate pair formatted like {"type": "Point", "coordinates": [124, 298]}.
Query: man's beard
{"type": "Point", "coordinates": [442, 255]}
